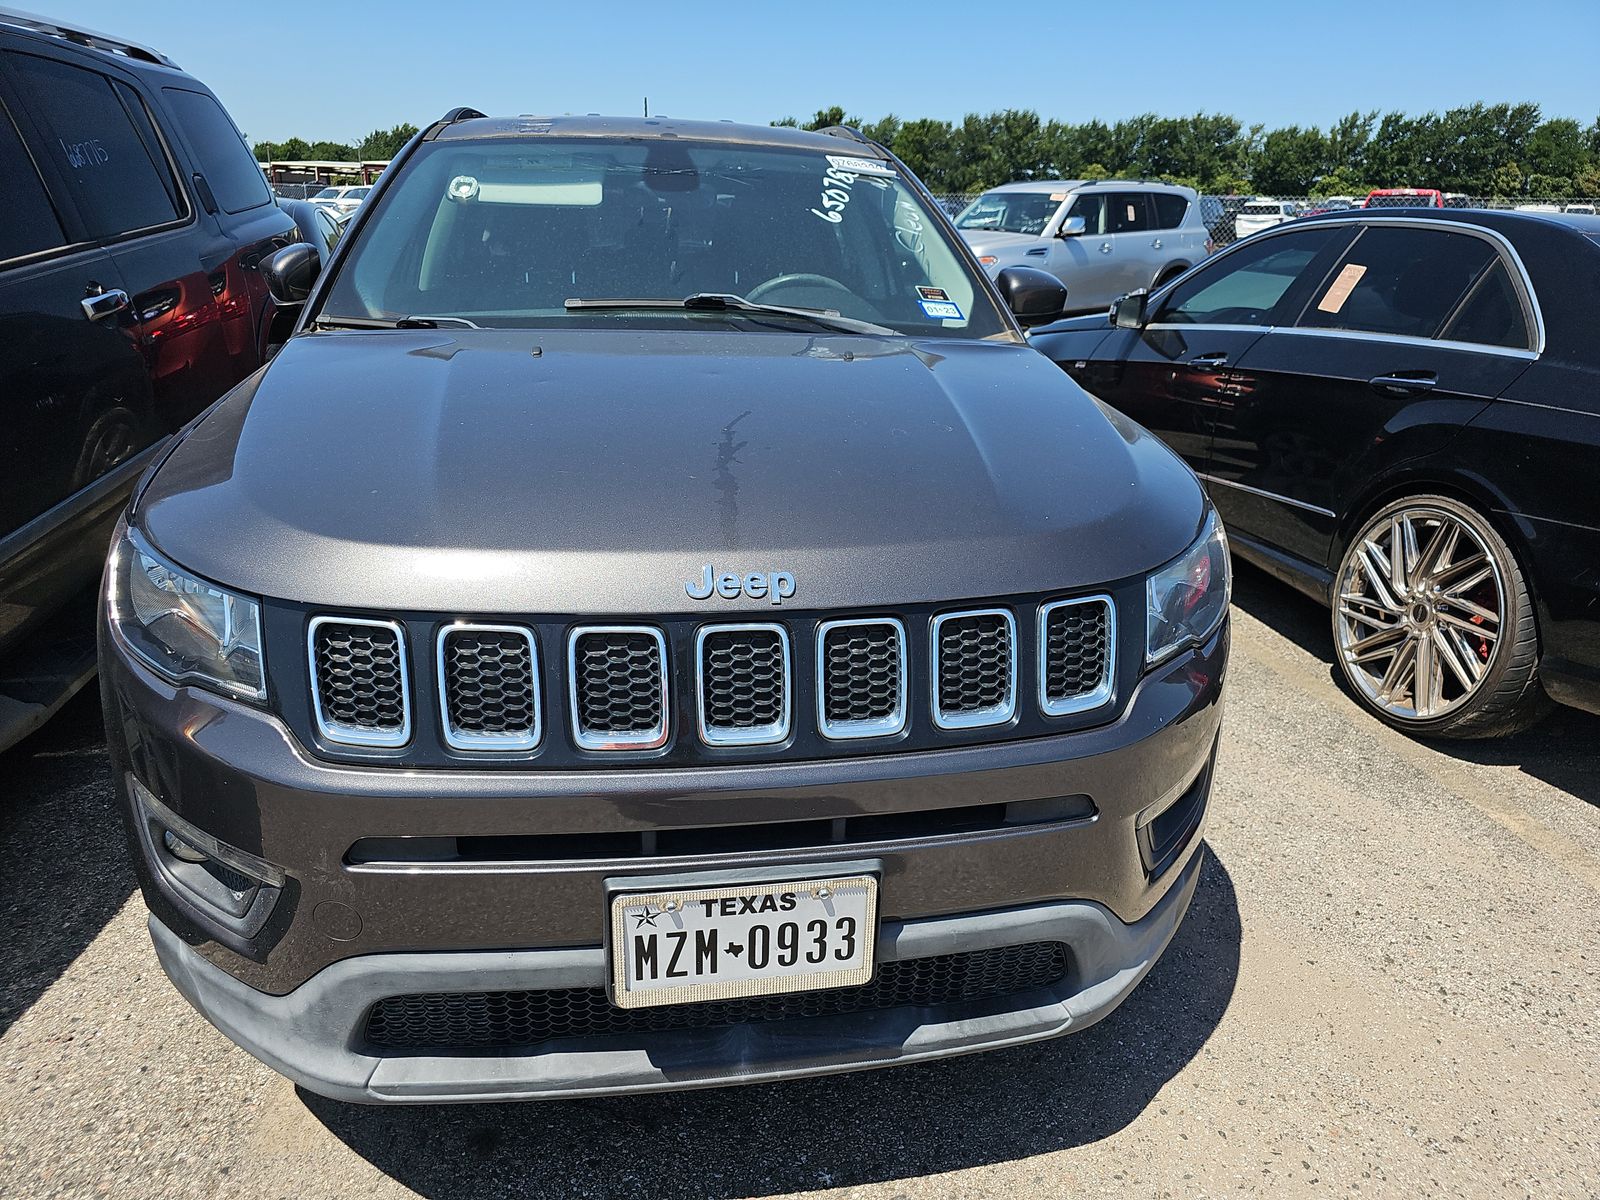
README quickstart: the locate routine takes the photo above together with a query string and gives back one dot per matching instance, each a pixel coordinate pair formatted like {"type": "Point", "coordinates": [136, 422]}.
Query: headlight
{"type": "Point", "coordinates": [186, 629]}
{"type": "Point", "coordinates": [1186, 600]}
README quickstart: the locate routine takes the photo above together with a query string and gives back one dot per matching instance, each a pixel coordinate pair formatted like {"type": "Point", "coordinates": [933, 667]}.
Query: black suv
{"type": "Point", "coordinates": [658, 624]}
{"type": "Point", "coordinates": [132, 218]}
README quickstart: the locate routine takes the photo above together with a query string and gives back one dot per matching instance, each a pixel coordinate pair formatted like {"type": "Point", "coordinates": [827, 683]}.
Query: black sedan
{"type": "Point", "coordinates": [1399, 414]}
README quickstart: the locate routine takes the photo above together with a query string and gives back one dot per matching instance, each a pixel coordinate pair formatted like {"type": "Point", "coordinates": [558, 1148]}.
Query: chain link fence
{"type": "Point", "coordinates": [1228, 218]}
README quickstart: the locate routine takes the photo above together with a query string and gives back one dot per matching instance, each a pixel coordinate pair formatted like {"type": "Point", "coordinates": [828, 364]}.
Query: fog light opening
{"type": "Point", "coordinates": [215, 879]}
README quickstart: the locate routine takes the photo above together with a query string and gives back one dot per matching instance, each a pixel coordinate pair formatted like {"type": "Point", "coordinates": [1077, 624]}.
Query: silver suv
{"type": "Point", "coordinates": [1101, 239]}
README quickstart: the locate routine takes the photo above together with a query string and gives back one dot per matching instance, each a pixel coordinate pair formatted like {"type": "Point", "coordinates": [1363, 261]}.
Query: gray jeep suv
{"type": "Point", "coordinates": [1102, 239]}
{"type": "Point", "coordinates": [657, 624]}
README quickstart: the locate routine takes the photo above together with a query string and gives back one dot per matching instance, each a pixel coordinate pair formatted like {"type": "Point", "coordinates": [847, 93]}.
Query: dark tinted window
{"type": "Point", "coordinates": [1128, 212]}
{"type": "Point", "coordinates": [1245, 286]}
{"type": "Point", "coordinates": [1399, 281]}
{"type": "Point", "coordinates": [1092, 208]}
{"type": "Point", "coordinates": [1492, 315]}
{"type": "Point", "coordinates": [30, 223]}
{"type": "Point", "coordinates": [1170, 208]}
{"type": "Point", "coordinates": [227, 164]}
{"type": "Point", "coordinates": [120, 182]}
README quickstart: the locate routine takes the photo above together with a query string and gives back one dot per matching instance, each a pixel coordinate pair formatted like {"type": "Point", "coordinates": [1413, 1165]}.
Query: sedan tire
{"type": "Point", "coordinates": [1433, 624]}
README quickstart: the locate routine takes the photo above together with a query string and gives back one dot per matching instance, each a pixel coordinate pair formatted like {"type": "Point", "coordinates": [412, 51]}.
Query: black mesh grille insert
{"type": "Point", "coordinates": [742, 681]}
{"type": "Point", "coordinates": [975, 660]}
{"type": "Point", "coordinates": [489, 683]}
{"type": "Point", "coordinates": [1077, 649]}
{"type": "Point", "coordinates": [618, 682]}
{"type": "Point", "coordinates": [359, 679]}
{"type": "Point", "coordinates": [861, 673]}
{"type": "Point", "coordinates": [482, 1020]}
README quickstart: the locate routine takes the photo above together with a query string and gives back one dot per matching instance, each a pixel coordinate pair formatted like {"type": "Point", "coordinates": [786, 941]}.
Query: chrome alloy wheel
{"type": "Point", "coordinates": [1420, 610]}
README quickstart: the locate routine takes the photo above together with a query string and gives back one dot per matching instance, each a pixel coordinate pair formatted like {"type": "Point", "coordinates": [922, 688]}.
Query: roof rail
{"type": "Point", "coordinates": [79, 35]}
{"type": "Point", "coordinates": [849, 133]}
{"type": "Point", "coordinates": [461, 114]}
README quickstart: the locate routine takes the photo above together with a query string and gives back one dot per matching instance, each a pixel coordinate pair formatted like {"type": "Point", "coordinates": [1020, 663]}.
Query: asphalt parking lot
{"type": "Point", "coordinates": [1389, 984]}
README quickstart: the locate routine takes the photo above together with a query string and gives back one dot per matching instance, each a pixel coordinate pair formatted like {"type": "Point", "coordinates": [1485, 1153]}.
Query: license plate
{"type": "Point", "coordinates": [758, 939]}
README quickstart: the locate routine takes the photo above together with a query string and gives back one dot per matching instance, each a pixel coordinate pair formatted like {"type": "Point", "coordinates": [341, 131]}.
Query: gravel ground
{"type": "Point", "coordinates": [1389, 984]}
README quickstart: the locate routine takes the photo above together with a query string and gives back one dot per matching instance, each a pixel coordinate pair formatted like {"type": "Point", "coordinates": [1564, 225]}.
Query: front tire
{"type": "Point", "coordinates": [1433, 623]}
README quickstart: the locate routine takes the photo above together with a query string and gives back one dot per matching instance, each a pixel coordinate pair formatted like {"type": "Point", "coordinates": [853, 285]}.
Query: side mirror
{"type": "Point", "coordinates": [1033, 296]}
{"type": "Point", "coordinates": [1129, 312]}
{"type": "Point", "coordinates": [1073, 227]}
{"type": "Point", "coordinates": [290, 272]}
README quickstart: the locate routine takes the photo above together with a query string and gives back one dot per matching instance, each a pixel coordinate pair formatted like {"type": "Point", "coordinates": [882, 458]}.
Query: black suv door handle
{"type": "Point", "coordinates": [1404, 383]}
{"type": "Point", "coordinates": [1216, 360]}
{"type": "Point", "coordinates": [104, 304]}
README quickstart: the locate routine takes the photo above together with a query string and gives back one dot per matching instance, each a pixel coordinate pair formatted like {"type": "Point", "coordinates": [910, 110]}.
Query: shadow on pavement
{"type": "Point", "coordinates": [64, 868]}
{"type": "Point", "coordinates": [1563, 750]}
{"type": "Point", "coordinates": [836, 1132]}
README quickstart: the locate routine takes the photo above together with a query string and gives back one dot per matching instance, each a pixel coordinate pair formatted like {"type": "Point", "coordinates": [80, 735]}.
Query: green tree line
{"type": "Point", "coordinates": [376, 146]}
{"type": "Point", "coordinates": [1505, 150]}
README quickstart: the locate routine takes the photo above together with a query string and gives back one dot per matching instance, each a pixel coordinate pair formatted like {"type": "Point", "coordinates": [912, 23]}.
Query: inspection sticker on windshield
{"type": "Point", "coordinates": [860, 166]}
{"type": "Point", "coordinates": [941, 310]}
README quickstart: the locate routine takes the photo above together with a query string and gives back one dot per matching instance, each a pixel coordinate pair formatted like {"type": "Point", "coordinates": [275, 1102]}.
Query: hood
{"type": "Point", "coordinates": [597, 472]}
{"type": "Point", "coordinates": [1010, 246]}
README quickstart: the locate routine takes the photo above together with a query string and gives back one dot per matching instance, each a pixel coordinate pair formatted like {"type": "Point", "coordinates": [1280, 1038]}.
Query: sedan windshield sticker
{"type": "Point", "coordinates": [1344, 283]}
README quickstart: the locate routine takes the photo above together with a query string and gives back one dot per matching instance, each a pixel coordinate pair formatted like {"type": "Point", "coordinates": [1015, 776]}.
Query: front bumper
{"type": "Point", "coordinates": [313, 1035]}
{"type": "Point", "coordinates": [294, 986]}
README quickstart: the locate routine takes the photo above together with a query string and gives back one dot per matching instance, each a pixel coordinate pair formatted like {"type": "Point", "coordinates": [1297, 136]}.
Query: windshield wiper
{"type": "Point", "coordinates": [390, 322]}
{"type": "Point", "coordinates": [727, 302]}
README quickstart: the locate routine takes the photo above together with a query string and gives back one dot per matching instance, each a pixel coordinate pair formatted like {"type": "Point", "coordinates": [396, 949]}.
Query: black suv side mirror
{"type": "Point", "coordinates": [1130, 311]}
{"type": "Point", "coordinates": [290, 272]}
{"type": "Point", "coordinates": [1033, 296]}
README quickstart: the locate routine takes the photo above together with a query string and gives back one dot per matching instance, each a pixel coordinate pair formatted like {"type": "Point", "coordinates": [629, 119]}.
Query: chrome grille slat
{"type": "Point", "coordinates": [974, 668]}
{"type": "Point", "coordinates": [861, 678]}
{"type": "Point", "coordinates": [488, 683]}
{"type": "Point", "coordinates": [1077, 654]}
{"type": "Point", "coordinates": [360, 686]}
{"type": "Point", "coordinates": [617, 684]}
{"type": "Point", "coordinates": [742, 684]}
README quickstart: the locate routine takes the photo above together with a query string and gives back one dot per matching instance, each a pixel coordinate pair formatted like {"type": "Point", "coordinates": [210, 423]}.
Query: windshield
{"type": "Point", "coordinates": [327, 193]}
{"type": "Point", "coordinates": [505, 232]}
{"type": "Point", "coordinates": [1011, 212]}
{"type": "Point", "coordinates": [358, 193]}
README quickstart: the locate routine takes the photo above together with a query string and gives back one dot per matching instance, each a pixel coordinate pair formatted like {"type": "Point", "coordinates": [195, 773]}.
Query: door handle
{"type": "Point", "coordinates": [1404, 383]}
{"type": "Point", "coordinates": [1105, 247]}
{"type": "Point", "coordinates": [104, 303]}
{"type": "Point", "coordinates": [1156, 245]}
{"type": "Point", "coordinates": [1216, 360]}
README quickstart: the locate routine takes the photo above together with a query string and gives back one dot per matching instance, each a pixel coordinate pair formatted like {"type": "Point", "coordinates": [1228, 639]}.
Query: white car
{"type": "Point", "coordinates": [342, 200]}
{"type": "Point", "coordinates": [1102, 239]}
{"type": "Point", "coordinates": [1263, 213]}
{"type": "Point", "coordinates": [1586, 209]}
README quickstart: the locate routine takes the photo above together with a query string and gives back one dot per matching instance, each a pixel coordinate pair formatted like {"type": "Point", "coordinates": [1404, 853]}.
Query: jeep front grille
{"type": "Point", "coordinates": [1075, 654]}
{"type": "Point", "coordinates": [861, 678]}
{"type": "Point", "coordinates": [692, 690]}
{"type": "Point", "coordinates": [974, 668]}
{"type": "Point", "coordinates": [489, 687]}
{"type": "Point", "coordinates": [358, 681]}
{"type": "Point", "coordinates": [742, 678]}
{"type": "Point", "coordinates": [617, 681]}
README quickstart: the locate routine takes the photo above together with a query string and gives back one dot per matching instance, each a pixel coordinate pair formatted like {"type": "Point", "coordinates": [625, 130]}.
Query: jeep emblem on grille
{"type": "Point", "coordinates": [776, 586]}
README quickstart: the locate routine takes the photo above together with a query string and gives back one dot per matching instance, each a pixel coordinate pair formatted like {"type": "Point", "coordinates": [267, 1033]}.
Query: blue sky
{"type": "Point", "coordinates": [338, 68]}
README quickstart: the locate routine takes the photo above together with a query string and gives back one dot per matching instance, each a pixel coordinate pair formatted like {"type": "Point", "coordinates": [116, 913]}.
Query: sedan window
{"type": "Point", "coordinates": [1399, 281]}
{"type": "Point", "coordinates": [1245, 286]}
{"type": "Point", "coordinates": [1492, 315]}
